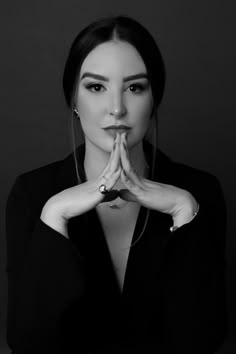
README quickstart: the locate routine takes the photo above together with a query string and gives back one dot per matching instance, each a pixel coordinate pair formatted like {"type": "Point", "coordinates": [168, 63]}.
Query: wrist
{"type": "Point", "coordinates": [185, 213]}
{"type": "Point", "coordinates": [51, 216]}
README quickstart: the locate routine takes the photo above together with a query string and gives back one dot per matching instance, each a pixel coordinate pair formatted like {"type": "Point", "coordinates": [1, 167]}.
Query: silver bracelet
{"type": "Point", "coordinates": [174, 228]}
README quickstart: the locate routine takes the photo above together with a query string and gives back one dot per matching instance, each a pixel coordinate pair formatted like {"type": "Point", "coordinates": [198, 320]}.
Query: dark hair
{"type": "Point", "coordinates": [104, 30]}
{"type": "Point", "coordinates": [123, 28]}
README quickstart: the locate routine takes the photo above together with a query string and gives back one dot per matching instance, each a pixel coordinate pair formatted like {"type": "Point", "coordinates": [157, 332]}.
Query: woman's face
{"type": "Point", "coordinates": [113, 94]}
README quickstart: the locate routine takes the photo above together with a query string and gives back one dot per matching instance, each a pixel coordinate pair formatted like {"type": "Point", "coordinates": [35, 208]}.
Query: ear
{"type": "Point", "coordinates": [76, 112]}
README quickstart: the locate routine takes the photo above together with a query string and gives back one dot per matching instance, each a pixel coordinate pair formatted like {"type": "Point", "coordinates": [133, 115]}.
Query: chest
{"type": "Point", "coordinates": [118, 228]}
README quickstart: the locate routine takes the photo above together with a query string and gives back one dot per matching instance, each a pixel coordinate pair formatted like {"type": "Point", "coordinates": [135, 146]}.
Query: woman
{"type": "Point", "coordinates": [116, 248]}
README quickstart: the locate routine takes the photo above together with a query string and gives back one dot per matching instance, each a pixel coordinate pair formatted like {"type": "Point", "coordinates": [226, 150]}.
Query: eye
{"type": "Point", "coordinates": [136, 88]}
{"type": "Point", "coordinates": [95, 87]}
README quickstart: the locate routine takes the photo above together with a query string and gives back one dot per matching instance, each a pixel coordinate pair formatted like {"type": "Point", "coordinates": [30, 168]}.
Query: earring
{"type": "Point", "coordinates": [76, 112]}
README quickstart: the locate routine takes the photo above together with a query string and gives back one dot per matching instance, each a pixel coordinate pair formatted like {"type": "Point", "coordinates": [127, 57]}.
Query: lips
{"type": "Point", "coordinates": [117, 127]}
{"type": "Point", "coordinates": [114, 129]}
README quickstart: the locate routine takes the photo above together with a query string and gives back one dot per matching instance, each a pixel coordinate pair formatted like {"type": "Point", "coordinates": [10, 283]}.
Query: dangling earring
{"type": "Point", "coordinates": [76, 112]}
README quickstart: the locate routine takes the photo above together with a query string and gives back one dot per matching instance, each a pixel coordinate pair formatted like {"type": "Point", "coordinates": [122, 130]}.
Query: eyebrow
{"type": "Point", "coordinates": [104, 78]}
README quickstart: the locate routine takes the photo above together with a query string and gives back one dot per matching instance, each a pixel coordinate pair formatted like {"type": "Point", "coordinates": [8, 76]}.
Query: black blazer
{"type": "Point", "coordinates": [62, 293]}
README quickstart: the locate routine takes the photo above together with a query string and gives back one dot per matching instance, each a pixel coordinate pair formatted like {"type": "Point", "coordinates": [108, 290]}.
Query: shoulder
{"type": "Point", "coordinates": [169, 171]}
{"type": "Point", "coordinates": [39, 184]}
{"type": "Point", "coordinates": [204, 185]}
{"type": "Point", "coordinates": [43, 174]}
{"type": "Point", "coordinates": [180, 172]}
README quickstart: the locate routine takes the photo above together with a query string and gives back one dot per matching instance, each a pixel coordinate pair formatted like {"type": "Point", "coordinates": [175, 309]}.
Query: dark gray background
{"type": "Point", "coordinates": [197, 117]}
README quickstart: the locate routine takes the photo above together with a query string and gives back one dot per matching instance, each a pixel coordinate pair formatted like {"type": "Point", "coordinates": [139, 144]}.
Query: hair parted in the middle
{"type": "Point", "coordinates": [121, 28]}
{"type": "Point", "coordinates": [125, 29]}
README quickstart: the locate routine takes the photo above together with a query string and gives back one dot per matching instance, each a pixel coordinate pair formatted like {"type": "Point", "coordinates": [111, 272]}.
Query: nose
{"type": "Point", "coordinates": [118, 107]}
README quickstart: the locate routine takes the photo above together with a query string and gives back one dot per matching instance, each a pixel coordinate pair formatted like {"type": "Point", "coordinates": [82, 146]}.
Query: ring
{"type": "Point", "coordinates": [103, 189]}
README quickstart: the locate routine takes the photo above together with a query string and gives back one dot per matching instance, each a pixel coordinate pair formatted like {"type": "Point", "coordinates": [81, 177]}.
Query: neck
{"type": "Point", "coordinates": [96, 160]}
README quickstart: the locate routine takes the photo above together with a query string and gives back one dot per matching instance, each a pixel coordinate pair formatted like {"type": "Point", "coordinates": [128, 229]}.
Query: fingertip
{"type": "Point", "coordinates": [118, 137]}
{"type": "Point", "coordinates": [124, 137]}
{"type": "Point", "coordinates": [123, 146]}
{"type": "Point", "coordinates": [125, 134]}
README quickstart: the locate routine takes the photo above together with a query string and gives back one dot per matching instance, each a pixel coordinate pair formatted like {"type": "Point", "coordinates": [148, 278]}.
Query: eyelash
{"type": "Point", "coordinates": [91, 87]}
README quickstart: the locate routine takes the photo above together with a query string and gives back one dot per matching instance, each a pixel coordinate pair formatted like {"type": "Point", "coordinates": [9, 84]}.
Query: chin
{"type": "Point", "coordinates": [104, 146]}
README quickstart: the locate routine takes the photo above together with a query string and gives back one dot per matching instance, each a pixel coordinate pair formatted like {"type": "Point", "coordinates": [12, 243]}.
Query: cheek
{"type": "Point", "coordinates": [89, 114]}
{"type": "Point", "coordinates": [85, 108]}
{"type": "Point", "coordinates": [142, 112]}
{"type": "Point", "coordinates": [86, 114]}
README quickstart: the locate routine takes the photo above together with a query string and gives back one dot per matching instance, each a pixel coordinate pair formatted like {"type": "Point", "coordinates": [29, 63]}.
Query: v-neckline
{"type": "Point", "coordinates": [99, 234]}
{"type": "Point", "coordinates": [140, 221]}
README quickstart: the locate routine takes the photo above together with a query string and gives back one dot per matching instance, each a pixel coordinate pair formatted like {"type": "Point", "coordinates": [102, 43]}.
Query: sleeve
{"type": "Point", "coordinates": [193, 282]}
{"type": "Point", "coordinates": [45, 280]}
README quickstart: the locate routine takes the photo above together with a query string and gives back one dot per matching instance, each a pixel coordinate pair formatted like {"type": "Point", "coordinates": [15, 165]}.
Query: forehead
{"type": "Point", "coordinates": [115, 58]}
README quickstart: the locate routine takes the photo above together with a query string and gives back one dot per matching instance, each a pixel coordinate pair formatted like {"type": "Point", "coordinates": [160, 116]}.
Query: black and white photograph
{"type": "Point", "coordinates": [118, 180]}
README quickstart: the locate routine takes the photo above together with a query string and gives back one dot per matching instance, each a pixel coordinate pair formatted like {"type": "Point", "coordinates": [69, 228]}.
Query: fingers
{"type": "Point", "coordinates": [112, 179]}
{"type": "Point", "coordinates": [128, 175]}
{"type": "Point", "coordinates": [108, 184]}
{"type": "Point", "coordinates": [112, 171]}
{"type": "Point", "coordinates": [133, 187]}
{"type": "Point", "coordinates": [114, 162]}
{"type": "Point", "coordinates": [124, 154]}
